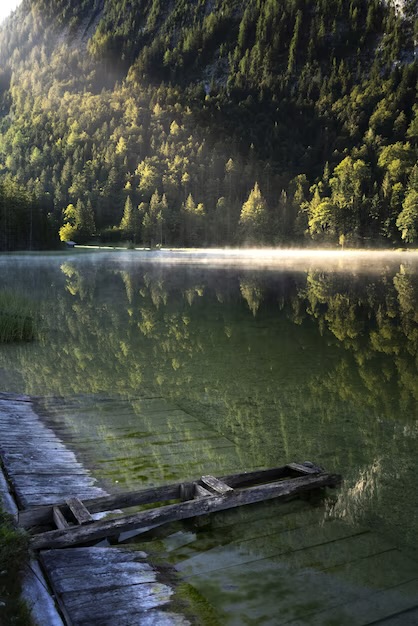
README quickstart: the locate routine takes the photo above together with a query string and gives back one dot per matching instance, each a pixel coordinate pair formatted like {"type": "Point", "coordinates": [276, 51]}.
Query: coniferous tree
{"type": "Point", "coordinates": [129, 221]}
{"type": "Point", "coordinates": [253, 221]}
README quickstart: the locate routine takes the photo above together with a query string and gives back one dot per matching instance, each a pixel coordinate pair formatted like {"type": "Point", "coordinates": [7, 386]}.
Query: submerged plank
{"type": "Point", "coordinates": [383, 607]}
{"type": "Point", "coordinates": [184, 510]}
{"type": "Point", "coordinates": [38, 464]}
{"type": "Point", "coordinates": [304, 468]}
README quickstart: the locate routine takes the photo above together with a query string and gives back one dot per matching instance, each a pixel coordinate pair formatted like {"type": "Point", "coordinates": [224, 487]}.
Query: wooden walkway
{"type": "Point", "coordinates": [42, 469]}
{"type": "Point", "coordinates": [269, 564]}
{"type": "Point", "coordinates": [294, 566]}
{"type": "Point", "coordinates": [173, 444]}
{"type": "Point", "coordinates": [108, 586]}
{"type": "Point", "coordinates": [117, 585]}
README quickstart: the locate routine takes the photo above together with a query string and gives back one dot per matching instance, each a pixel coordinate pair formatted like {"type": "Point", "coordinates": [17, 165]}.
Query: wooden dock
{"type": "Point", "coordinates": [42, 469]}
{"type": "Point", "coordinates": [108, 586]}
{"type": "Point", "coordinates": [276, 562]}
{"type": "Point", "coordinates": [117, 584]}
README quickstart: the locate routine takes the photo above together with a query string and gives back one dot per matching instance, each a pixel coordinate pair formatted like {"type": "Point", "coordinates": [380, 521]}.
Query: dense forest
{"type": "Point", "coordinates": [209, 122]}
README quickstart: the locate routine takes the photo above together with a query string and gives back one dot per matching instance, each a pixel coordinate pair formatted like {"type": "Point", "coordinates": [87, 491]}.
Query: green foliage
{"type": "Point", "coordinates": [16, 318]}
{"type": "Point", "coordinates": [129, 224]}
{"type": "Point", "coordinates": [99, 102]}
{"type": "Point", "coordinates": [24, 219]}
{"type": "Point", "coordinates": [253, 221]}
{"type": "Point", "coordinates": [67, 232]}
{"type": "Point", "coordinates": [14, 555]}
{"type": "Point", "coordinates": [407, 221]}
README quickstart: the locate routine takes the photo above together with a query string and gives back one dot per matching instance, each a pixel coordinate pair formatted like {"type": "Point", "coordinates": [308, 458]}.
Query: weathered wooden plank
{"type": "Point", "coordinates": [41, 470]}
{"type": "Point", "coordinates": [39, 515]}
{"type": "Point", "coordinates": [217, 486]}
{"type": "Point", "coordinates": [50, 497]}
{"type": "Point", "coordinates": [31, 463]}
{"type": "Point", "coordinates": [69, 482]}
{"type": "Point", "coordinates": [389, 569]}
{"type": "Point", "coordinates": [201, 492]}
{"type": "Point", "coordinates": [36, 594]}
{"type": "Point", "coordinates": [25, 427]}
{"type": "Point", "coordinates": [304, 468]}
{"type": "Point", "coordinates": [99, 571]}
{"type": "Point", "coordinates": [59, 519]}
{"type": "Point", "coordinates": [70, 570]}
{"type": "Point", "coordinates": [184, 510]}
{"type": "Point", "coordinates": [408, 617]}
{"type": "Point", "coordinates": [280, 547]}
{"type": "Point", "coordinates": [39, 457]}
{"type": "Point", "coordinates": [116, 601]}
{"type": "Point", "coordinates": [93, 580]}
{"type": "Point", "coordinates": [32, 445]}
{"type": "Point", "coordinates": [186, 491]}
{"type": "Point", "coordinates": [14, 397]}
{"type": "Point", "coordinates": [302, 547]}
{"type": "Point", "coordinates": [381, 607]}
{"type": "Point", "coordinates": [96, 557]}
{"type": "Point", "coordinates": [79, 511]}
{"type": "Point", "coordinates": [150, 617]}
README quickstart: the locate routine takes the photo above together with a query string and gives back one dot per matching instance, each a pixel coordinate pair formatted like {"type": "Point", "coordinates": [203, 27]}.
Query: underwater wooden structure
{"type": "Point", "coordinates": [310, 566]}
{"type": "Point", "coordinates": [206, 495]}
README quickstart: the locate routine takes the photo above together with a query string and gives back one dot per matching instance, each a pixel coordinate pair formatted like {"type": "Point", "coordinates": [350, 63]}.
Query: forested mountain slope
{"type": "Point", "coordinates": [209, 122]}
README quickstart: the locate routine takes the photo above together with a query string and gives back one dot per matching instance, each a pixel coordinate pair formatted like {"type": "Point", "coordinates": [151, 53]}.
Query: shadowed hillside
{"type": "Point", "coordinates": [210, 123]}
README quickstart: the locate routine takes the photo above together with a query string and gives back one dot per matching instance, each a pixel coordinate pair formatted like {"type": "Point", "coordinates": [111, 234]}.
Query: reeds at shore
{"type": "Point", "coordinates": [17, 321]}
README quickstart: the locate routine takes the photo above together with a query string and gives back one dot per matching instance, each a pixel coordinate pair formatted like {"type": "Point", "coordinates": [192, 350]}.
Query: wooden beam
{"type": "Point", "coordinates": [184, 510]}
{"type": "Point", "coordinates": [59, 519]}
{"type": "Point", "coordinates": [186, 492]}
{"type": "Point", "coordinates": [303, 469]}
{"type": "Point", "coordinates": [216, 486]}
{"type": "Point", "coordinates": [79, 511]}
{"type": "Point", "coordinates": [201, 492]}
{"type": "Point", "coordinates": [37, 516]}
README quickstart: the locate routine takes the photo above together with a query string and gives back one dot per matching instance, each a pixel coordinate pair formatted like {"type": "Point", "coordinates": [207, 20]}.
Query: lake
{"type": "Point", "coordinates": [157, 367]}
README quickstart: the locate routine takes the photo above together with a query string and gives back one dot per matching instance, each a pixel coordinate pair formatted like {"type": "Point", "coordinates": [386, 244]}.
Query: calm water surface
{"type": "Point", "coordinates": [170, 371]}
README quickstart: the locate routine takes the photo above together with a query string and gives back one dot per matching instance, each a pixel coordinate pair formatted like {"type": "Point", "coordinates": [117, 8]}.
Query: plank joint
{"type": "Point", "coordinates": [77, 508]}
{"type": "Point", "coordinates": [216, 486]}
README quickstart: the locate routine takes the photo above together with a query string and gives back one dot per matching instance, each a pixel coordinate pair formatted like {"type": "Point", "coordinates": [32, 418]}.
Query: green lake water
{"type": "Point", "coordinates": [155, 372]}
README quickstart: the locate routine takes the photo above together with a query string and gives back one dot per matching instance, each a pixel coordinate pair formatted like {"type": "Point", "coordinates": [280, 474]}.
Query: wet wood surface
{"type": "Point", "coordinates": [42, 515]}
{"type": "Point", "coordinates": [41, 468]}
{"type": "Point", "coordinates": [253, 563]}
{"type": "Point", "coordinates": [184, 510]}
{"type": "Point", "coordinates": [108, 586]}
{"type": "Point", "coordinates": [292, 560]}
{"type": "Point", "coordinates": [95, 585]}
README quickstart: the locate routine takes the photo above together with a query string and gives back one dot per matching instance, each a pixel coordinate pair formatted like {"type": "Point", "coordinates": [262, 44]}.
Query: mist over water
{"type": "Point", "coordinates": [265, 258]}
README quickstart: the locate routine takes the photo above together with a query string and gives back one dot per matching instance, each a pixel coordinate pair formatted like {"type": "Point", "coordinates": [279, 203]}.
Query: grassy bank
{"type": "Point", "coordinates": [14, 556]}
{"type": "Point", "coordinates": [16, 318]}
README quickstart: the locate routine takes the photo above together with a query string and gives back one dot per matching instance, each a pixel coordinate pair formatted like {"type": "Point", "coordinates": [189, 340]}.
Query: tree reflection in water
{"type": "Point", "coordinates": [317, 365]}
